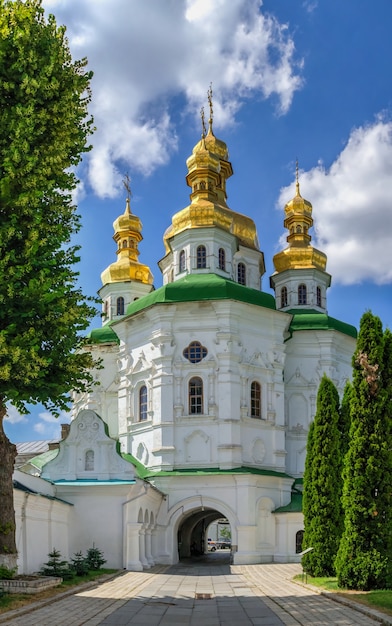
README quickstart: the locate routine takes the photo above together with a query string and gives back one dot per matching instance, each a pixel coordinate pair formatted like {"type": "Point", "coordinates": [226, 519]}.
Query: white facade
{"type": "Point", "coordinates": [208, 384]}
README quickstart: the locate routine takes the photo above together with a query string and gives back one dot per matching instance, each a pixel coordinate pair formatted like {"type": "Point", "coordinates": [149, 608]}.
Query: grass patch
{"type": "Point", "coordinates": [380, 600]}
{"type": "Point", "coordinates": [10, 601]}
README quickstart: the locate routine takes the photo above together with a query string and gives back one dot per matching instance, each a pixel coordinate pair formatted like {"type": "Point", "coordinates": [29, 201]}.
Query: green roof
{"type": "Point", "coordinates": [295, 506]}
{"type": "Point", "coordinates": [42, 459]}
{"type": "Point", "coordinates": [197, 287]}
{"type": "Point", "coordinates": [105, 334]}
{"type": "Point", "coordinates": [308, 319]}
{"type": "Point", "coordinates": [144, 472]}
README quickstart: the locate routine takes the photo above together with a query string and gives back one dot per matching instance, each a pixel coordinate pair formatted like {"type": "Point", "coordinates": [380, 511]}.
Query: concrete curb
{"type": "Point", "coordinates": [29, 608]}
{"type": "Point", "coordinates": [382, 618]}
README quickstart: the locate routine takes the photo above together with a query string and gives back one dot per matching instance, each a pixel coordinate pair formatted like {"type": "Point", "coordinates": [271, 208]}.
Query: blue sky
{"type": "Point", "coordinates": [306, 80]}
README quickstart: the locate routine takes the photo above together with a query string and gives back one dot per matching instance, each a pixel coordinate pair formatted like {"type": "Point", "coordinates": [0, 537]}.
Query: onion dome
{"type": "Point", "coordinates": [127, 235]}
{"type": "Point", "coordinates": [208, 170]}
{"type": "Point", "coordinates": [298, 220]}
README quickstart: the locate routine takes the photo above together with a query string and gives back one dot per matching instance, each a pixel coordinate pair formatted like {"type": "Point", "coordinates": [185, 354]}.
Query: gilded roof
{"type": "Point", "coordinates": [208, 170]}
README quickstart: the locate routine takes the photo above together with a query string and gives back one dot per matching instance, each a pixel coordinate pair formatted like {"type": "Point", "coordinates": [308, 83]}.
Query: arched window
{"type": "Point", "coordinates": [222, 259]}
{"type": "Point", "coordinates": [181, 264]}
{"type": "Point", "coordinates": [120, 306]}
{"type": "Point", "coordinates": [201, 257]}
{"type": "Point", "coordinates": [195, 395]}
{"type": "Point", "coordinates": [143, 403]}
{"type": "Point", "coordinates": [241, 273]}
{"type": "Point", "coordinates": [255, 399]}
{"type": "Point", "coordinates": [299, 537]}
{"type": "Point", "coordinates": [318, 296]}
{"type": "Point", "coordinates": [302, 298]}
{"type": "Point", "coordinates": [283, 297]}
{"type": "Point", "coordinates": [89, 461]}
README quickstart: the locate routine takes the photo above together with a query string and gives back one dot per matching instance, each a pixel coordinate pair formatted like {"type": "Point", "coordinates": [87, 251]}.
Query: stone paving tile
{"type": "Point", "coordinates": [256, 595]}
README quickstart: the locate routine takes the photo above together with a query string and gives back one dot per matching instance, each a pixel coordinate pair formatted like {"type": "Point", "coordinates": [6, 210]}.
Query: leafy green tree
{"type": "Point", "coordinates": [364, 557]}
{"type": "Point", "coordinates": [322, 484]}
{"type": "Point", "coordinates": [44, 125]}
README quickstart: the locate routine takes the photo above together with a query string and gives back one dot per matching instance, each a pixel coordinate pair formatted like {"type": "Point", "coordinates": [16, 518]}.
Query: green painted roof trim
{"type": "Point", "coordinates": [21, 487]}
{"type": "Point", "coordinates": [199, 287]}
{"type": "Point", "coordinates": [42, 459]}
{"type": "Point", "coordinates": [295, 506]}
{"type": "Point", "coordinates": [145, 473]}
{"type": "Point", "coordinates": [308, 319]}
{"type": "Point", "coordinates": [105, 334]}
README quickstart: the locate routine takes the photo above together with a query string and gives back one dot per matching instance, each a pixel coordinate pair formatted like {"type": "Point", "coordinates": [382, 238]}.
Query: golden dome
{"type": "Point", "coordinates": [208, 169]}
{"type": "Point", "coordinates": [127, 235]}
{"type": "Point", "coordinates": [298, 220]}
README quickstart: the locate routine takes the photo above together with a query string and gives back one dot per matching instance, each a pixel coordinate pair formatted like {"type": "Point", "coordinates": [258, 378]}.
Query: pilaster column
{"type": "Point", "coordinates": [142, 549]}
{"type": "Point", "coordinates": [149, 556]}
{"type": "Point", "coordinates": [131, 553]}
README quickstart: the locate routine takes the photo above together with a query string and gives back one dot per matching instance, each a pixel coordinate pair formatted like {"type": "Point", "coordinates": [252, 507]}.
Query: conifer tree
{"type": "Point", "coordinates": [44, 125]}
{"type": "Point", "coordinates": [322, 484]}
{"type": "Point", "coordinates": [345, 420]}
{"type": "Point", "coordinates": [364, 557]}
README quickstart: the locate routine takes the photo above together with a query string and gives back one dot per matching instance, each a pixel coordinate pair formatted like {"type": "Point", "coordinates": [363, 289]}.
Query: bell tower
{"type": "Point", "coordinates": [300, 280]}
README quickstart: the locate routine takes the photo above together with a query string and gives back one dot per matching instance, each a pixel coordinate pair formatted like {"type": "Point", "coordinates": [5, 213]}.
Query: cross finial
{"type": "Point", "coordinates": [296, 178]}
{"type": "Point", "coordinates": [209, 96]}
{"type": "Point", "coordinates": [127, 185]}
{"type": "Point", "coordinates": [203, 123]}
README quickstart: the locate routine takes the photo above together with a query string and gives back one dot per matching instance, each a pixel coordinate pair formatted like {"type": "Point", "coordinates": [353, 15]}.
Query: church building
{"type": "Point", "coordinates": [205, 393]}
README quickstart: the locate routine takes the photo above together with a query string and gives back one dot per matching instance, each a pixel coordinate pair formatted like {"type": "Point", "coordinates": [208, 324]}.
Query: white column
{"type": "Point", "coordinates": [142, 549]}
{"type": "Point", "coordinates": [149, 556]}
{"type": "Point", "coordinates": [131, 558]}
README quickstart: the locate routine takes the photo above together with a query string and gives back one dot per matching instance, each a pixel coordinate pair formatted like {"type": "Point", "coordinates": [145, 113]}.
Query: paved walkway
{"type": "Point", "coordinates": [210, 593]}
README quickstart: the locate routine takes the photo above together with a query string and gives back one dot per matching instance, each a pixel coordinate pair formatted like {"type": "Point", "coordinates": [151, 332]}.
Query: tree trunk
{"type": "Point", "coordinates": [8, 553]}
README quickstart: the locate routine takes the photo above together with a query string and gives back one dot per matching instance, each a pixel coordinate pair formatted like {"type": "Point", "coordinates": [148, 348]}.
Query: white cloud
{"type": "Point", "coordinates": [49, 426]}
{"type": "Point", "coordinates": [144, 53]}
{"type": "Point", "coordinates": [14, 417]}
{"type": "Point", "coordinates": [352, 206]}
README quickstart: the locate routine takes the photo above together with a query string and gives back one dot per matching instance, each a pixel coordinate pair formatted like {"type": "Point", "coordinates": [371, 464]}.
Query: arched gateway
{"type": "Point", "coordinates": [192, 526]}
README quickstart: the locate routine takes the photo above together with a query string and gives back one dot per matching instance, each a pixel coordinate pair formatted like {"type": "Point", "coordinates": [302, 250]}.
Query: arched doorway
{"type": "Point", "coordinates": [192, 534]}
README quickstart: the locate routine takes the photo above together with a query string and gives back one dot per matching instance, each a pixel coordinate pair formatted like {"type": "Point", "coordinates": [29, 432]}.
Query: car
{"type": "Point", "coordinates": [212, 545]}
{"type": "Point", "coordinates": [224, 544]}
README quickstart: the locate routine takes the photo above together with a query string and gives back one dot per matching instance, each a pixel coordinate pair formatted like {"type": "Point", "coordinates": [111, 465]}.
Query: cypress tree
{"type": "Point", "coordinates": [345, 420]}
{"type": "Point", "coordinates": [364, 557]}
{"type": "Point", "coordinates": [322, 480]}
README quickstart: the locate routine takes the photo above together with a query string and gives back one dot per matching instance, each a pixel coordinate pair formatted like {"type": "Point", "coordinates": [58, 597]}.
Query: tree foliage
{"type": "Point", "coordinates": [44, 125]}
{"type": "Point", "coordinates": [345, 420]}
{"type": "Point", "coordinates": [364, 557]}
{"type": "Point", "coordinates": [322, 484]}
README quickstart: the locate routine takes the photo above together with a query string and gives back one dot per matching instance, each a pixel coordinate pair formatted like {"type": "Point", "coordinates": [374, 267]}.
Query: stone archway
{"type": "Point", "coordinates": [192, 532]}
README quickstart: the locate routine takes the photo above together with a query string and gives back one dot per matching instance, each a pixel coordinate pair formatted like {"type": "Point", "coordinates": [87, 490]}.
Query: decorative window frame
{"type": "Point", "coordinates": [142, 403]}
{"type": "Point", "coordinates": [256, 403]}
{"type": "Point", "coordinates": [284, 301]}
{"type": "Point", "coordinates": [319, 298]}
{"type": "Point", "coordinates": [241, 273]}
{"type": "Point", "coordinates": [302, 292]}
{"type": "Point", "coordinates": [120, 305]}
{"type": "Point", "coordinates": [222, 259]}
{"type": "Point", "coordinates": [182, 261]}
{"type": "Point", "coordinates": [196, 352]}
{"type": "Point", "coordinates": [191, 378]}
{"type": "Point", "coordinates": [201, 257]}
